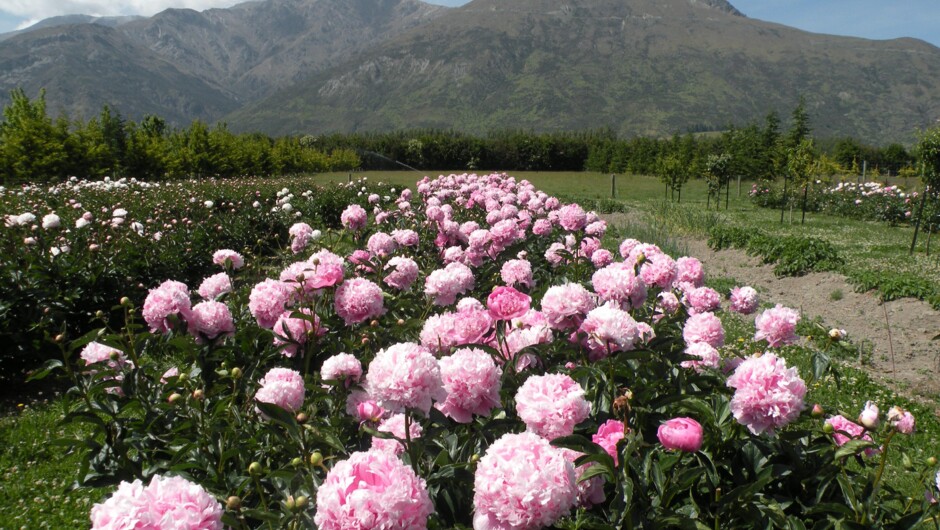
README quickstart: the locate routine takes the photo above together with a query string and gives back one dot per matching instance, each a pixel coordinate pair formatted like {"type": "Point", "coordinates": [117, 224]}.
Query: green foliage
{"type": "Point", "coordinates": [893, 285]}
{"type": "Point", "coordinates": [791, 255]}
{"type": "Point", "coordinates": [928, 151]}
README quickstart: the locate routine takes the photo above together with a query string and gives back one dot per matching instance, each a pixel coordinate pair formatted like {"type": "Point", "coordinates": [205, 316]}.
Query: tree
{"type": "Point", "coordinates": [800, 162]}
{"type": "Point", "coordinates": [799, 128]}
{"type": "Point", "coordinates": [928, 153]}
{"type": "Point", "coordinates": [32, 148]}
{"type": "Point", "coordinates": [718, 174]}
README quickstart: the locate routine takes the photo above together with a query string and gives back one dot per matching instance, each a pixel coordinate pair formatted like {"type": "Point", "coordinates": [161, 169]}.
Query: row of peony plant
{"type": "Point", "coordinates": [75, 247]}
{"type": "Point", "coordinates": [470, 356]}
{"type": "Point", "coordinates": [871, 201]}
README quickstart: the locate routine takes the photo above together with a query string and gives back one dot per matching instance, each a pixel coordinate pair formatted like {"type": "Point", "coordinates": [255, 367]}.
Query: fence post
{"type": "Point", "coordinates": [349, 177]}
{"type": "Point", "coordinates": [613, 186]}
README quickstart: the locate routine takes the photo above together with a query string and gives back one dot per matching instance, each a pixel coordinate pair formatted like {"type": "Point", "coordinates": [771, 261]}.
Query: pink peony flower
{"type": "Point", "coordinates": [282, 387]}
{"type": "Point", "coordinates": [658, 270]}
{"type": "Point", "coordinates": [744, 300]}
{"type": "Point", "coordinates": [300, 234]}
{"type": "Point", "coordinates": [517, 271]}
{"type": "Point", "coordinates": [210, 320]}
{"type": "Point", "coordinates": [395, 425]}
{"type": "Point", "coordinates": [618, 283]}
{"type": "Point", "coordinates": [522, 483]}
{"type": "Point", "coordinates": [870, 417]}
{"type": "Point", "coordinates": [590, 491]}
{"type": "Point", "coordinates": [358, 300]}
{"type": "Point", "coordinates": [405, 375]}
{"type": "Point", "coordinates": [681, 434]}
{"type": "Point", "coordinates": [341, 367]}
{"type": "Point", "coordinates": [372, 490]}
{"type": "Point", "coordinates": [405, 238]}
{"type": "Point", "coordinates": [326, 270]}
{"type": "Point", "coordinates": [602, 258]}
{"type": "Point", "coordinates": [902, 420]}
{"type": "Point", "coordinates": [846, 430]}
{"type": "Point", "coordinates": [360, 405]}
{"type": "Point", "coordinates": [777, 326]}
{"type": "Point", "coordinates": [701, 300]}
{"type": "Point", "coordinates": [704, 327]}
{"type": "Point", "coordinates": [215, 286]}
{"type": "Point", "coordinates": [608, 434]}
{"type": "Point", "coordinates": [404, 273]}
{"type": "Point", "coordinates": [381, 244]}
{"type": "Point", "coordinates": [95, 352]}
{"type": "Point", "coordinates": [708, 355]}
{"type": "Point", "coordinates": [506, 303]}
{"type": "Point", "coordinates": [292, 332]}
{"type": "Point", "coordinates": [689, 273]}
{"type": "Point", "coordinates": [472, 381]}
{"type": "Point", "coordinates": [551, 405]}
{"type": "Point", "coordinates": [444, 285]}
{"type": "Point", "coordinates": [267, 301]}
{"type": "Point", "coordinates": [228, 258]}
{"type": "Point", "coordinates": [170, 298]}
{"type": "Point", "coordinates": [571, 217]}
{"type": "Point", "coordinates": [626, 247]}
{"type": "Point", "coordinates": [354, 217]}
{"type": "Point", "coordinates": [609, 329]}
{"type": "Point", "coordinates": [565, 306]}
{"type": "Point", "coordinates": [767, 395]}
{"type": "Point", "coordinates": [166, 503]}
{"type": "Point", "coordinates": [542, 227]}
{"type": "Point", "coordinates": [554, 255]}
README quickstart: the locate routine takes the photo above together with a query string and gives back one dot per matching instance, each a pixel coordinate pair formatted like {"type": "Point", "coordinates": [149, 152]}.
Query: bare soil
{"type": "Point", "coordinates": [908, 361]}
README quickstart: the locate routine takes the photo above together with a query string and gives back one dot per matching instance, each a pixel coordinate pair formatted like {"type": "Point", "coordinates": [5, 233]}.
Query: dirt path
{"type": "Point", "coordinates": [913, 323]}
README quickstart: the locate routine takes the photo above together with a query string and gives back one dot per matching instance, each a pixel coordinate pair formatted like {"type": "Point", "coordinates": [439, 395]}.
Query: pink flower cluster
{"type": "Point", "coordinates": [617, 282]}
{"type": "Point", "coordinates": [170, 298]}
{"type": "Point", "coordinates": [608, 435]}
{"type": "Point", "coordinates": [292, 332]}
{"type": "Point", "coordinates": [210, 320]}
{"type": "Point", "coordinates": [444, 285]}
{"type": "Point", "coordinates": [372, 490]}
{"type": "Point", "coordinates": [704, 327]}
{"type": "Point", "coordinates": [267, 301]}
{"type": "Point", "coordinates": [551, 405]}
{"type": "Point", "coordinates": [404, 272]}
{"type": "Point", "coordinates": [472, 381]}
{"type": "Point", "coordinates": [744, 300]}
{"type": "Point", "coordinates": [767, 394]}
{"type": "Point", "coordinates": [517, 272]}
{"type": "Point", "coordinates": [341, 367]}
{"type": "Point", "coordinates": [522, 482]}
{"type": "Point", "coordinates": [300, 236]}
{"type": "Point", "coordinates": [395, 425]}
{"type": "Point", "coordinates": [777, 326]}
{"type": "Point", "coordinates": [354, 217]}
{"type": "Point", "coordinates": [565, 306]}
{"type": "Point", "coordinates": [228, 258]}
{"type": "Point", "coordinates": [405, 375]}
{"type": "Point", "coordinates": [608, 329]}
{"type": "Point", "coordinates": [166, 503]}
{"type": "Point", "coordinates": [282, 387]}
{"type": "Point", "coordinates": [215, 286]}
{"type": "Point", "coordinates": [471, 324]}
{"type": "Point", "coordinates": [358, 300]}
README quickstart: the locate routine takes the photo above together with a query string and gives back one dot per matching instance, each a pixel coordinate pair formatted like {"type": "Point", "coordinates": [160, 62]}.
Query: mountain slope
{"type": "Point", "coordinates": [84, 67]}
{"type": "Point", "coordinates": [640, 66]}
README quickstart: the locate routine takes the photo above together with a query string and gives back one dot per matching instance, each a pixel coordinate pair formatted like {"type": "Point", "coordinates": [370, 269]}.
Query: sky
{"type": "Point", "coordinates": [873, 19]}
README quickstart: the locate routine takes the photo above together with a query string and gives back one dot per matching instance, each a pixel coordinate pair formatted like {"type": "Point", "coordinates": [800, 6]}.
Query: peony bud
{"type": "Point", "coordinates": [817, 411]}
{"type": "Point", "coordinates": [932, 461]}
{"type": "Point", "coordinates": [233, 503]}
{"type": "Point", "coordinates": [174, 398]}
{"type": "Point", "coordinates": [125, 301]}
{"type": "Point", "coordinates": [683, 434]}
{"type": "Point", "coordinates": [302, 418]}
{"type": "Point", "coordinates": [869, 417]}
{"type": "Point", "coordinates": [99, 314]}
{"type": "Point", "coordinates": [198, 394]}
{"type": "Point", "coordinates": [316, 459]}
{"type": "Point", "coordinates": [301, 502]}
{"type": "Point", "coordinates": [828, 428]}
{"type": "Point", "coordinates": [297, 461]}
{"type": "Point", "coordinates": [254, 469]}
{"type": "Point", "coordinates": [236, 373]}
{"type": "Point", "coordinates": [836, 334]}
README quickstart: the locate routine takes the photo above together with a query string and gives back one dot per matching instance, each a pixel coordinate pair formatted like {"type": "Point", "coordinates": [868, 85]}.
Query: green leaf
{"type": "Point", "coordinates": [853, 447]}
{"type": "Point", "coordinates": [44, 370]}
{"type": "Point", "coordinates": [580, 444]}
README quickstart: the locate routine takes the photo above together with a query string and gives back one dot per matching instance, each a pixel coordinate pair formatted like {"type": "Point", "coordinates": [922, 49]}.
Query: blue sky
{"type": "Point", "coordinates": [873, 19]}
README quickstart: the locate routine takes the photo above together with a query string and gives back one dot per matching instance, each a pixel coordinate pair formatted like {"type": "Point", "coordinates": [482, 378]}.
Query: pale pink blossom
{"type": "Point", "coordinates": [405, 376]}
{"type": "Point", "coordinates": [767, 395]}
{"type": "Point", "coordinates": [777, 326]}
{"type": "Point", "coordinates": [358, 300]}
{"type": "Point", "coordinates": [267, 301]}
{"type": "Point", "coordinates": [282, 387]}
{"type": "Point", "coordinates": [744, 300]}
{"type": "Point", "coordinates": [704, 327]}
{"type": "Point", "coordinates": [565, 306]}
{"type": "Point", "coordinates": [165, 503]}
{"type": "Point", "coordinates": [551, 405]}
{"type": "Point", "coordinates": [215, 286]}
{"type": "Point", "coordinates": [472, 381]}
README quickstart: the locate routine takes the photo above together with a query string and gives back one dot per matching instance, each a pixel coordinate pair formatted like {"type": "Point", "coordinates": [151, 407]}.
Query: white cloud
{"type": "Point", "coordinates": [39, 9]}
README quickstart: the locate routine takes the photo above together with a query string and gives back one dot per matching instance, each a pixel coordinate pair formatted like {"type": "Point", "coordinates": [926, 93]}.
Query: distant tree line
{"type": "Point", "coordinates": [36, 148]}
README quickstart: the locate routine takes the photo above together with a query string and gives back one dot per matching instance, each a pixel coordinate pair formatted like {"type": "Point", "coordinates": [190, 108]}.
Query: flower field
{"type": "Point", "coordinates": [470, 353]}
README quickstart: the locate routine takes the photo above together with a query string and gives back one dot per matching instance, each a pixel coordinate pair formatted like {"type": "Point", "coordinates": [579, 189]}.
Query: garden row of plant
{"type": "Point", "coordinates": [73, 249]}
{"type": "Point", "coordinates": [471, 355]}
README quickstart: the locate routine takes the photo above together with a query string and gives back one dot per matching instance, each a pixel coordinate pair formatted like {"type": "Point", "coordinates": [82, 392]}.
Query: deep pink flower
{"type": "Point", "coordinates": [165, 503]}
{"type": "Point", "coordinates": [472, 381]}
{"type": "Point", "coordinates": [506, 303]}
{"type": "Point", "coordinates": [551, 405]}
{"type": "Point", "coordinates": [358, 300]}
{"type": "Point", "coordinates": [681, 434]}
{"type": "Point", "coordinates": [607, 436]}
{"type": "Point", "coordinates": [372, 490]}
{"type": "Point", "coordinates": [405, 375]}
{"type": "Point", "coordinates": [282, 387]}
{"type": "Point", "coordinates": [777, 326]}
{"type": "Point", "coordinates": [846, 430]}
{"type": "Point", "coordinates": [522, 483]}
{"type": "Point", "coordinates": [767, 395]}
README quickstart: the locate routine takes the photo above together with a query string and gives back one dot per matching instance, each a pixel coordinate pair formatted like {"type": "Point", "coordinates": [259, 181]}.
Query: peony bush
{"type": "Point", "coordinates": [457, 357]}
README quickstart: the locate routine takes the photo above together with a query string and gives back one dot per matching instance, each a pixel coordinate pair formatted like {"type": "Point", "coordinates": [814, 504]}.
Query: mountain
{"type": "Point", "coordinates": [183, 64]}
{"type": "Point", "coordinates": [83, 67]}
{"type": "Point", "coordinates": [647, 67]}
{"type": "Point", "coordinates": [641, 67]}
{"type": "Point", "coordinates": [66, 20]}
